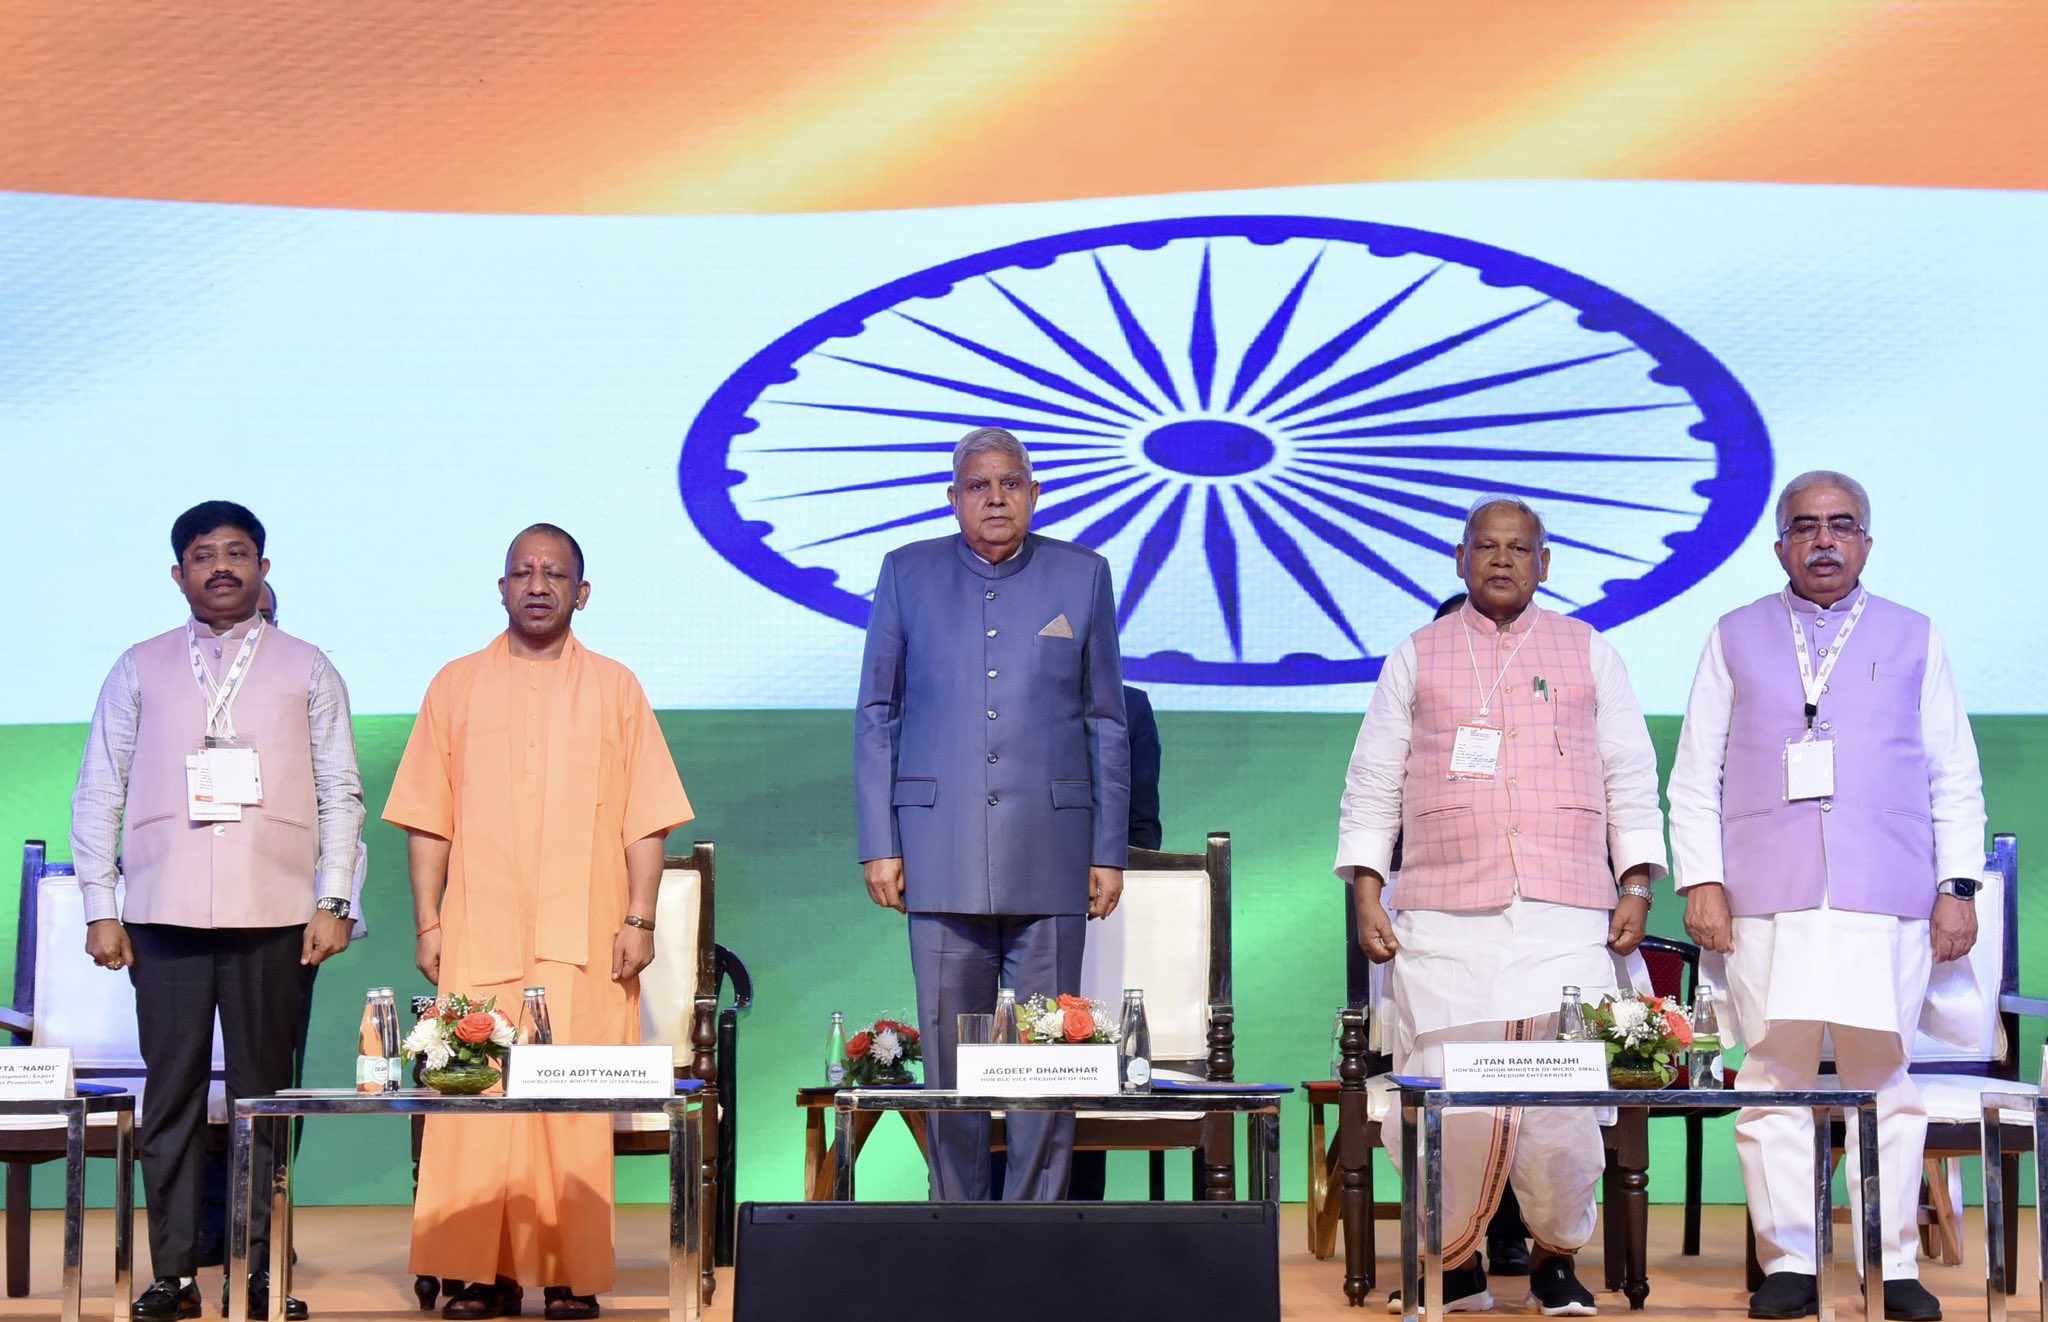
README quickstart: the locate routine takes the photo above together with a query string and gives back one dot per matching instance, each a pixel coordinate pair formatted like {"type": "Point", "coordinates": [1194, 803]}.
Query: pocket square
{"type": "Point", "coordinates": [1059, 628]}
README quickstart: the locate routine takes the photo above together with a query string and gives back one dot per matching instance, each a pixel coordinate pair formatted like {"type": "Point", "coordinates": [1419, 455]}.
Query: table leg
{"type": "Point", "coordinates": [685, 1229]}
{"type": "Point", "coordinates": [1412, 1195]}
{"type": "Point", "coordinates": [1994, 1216]}
{"type": "Point", "coordinates": [914, 1122]}
{"type": "Point", "coordinates": [1824, 1216]}
{"type": "Point", "coordinates": [817, 1160]}
{"type": "Point", "coordinates": [1322, 1167]}
{"type": "Point", "coordinates": [280, 1128]}
{"type": "Point", "coordinates": [843, 1152]}
{"type": "Point", "coordinates": [1632, 1162]}
{"type": "Point", "coordinates": [1433, 1210]}
{"type": "Point", "coordinates": [1873, 1206]}
{"type": "Point", "coordinates": [2041, 1207]}
{"type": "Point", "coordinates": [124, 1215]}
{"type": "Point", "coordinates": [1269, 1129]}
{"type": "Point", "coordinates": [241, 1197]}
{"type": "Point", "coordinates": [74, 1211]}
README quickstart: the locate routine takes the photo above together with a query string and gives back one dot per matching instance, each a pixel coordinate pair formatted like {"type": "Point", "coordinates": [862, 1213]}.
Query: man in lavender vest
{"type": "Point", "coordinates": [992, 771]}
{"type": "Point", "coordinates": [221, 773]}
{"type": "Point", "coordinates": [1505, 748]}
{"type": "Point", "coordinates": [1828, 822]}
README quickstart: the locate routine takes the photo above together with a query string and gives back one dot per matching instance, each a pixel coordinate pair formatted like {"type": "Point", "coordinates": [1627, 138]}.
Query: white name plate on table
{"type": "Point", "coordinates": [1005, 1070]}
{"type": "Point", "coordinates": [587, 1071]}
{"type": "Point", "coordinates": [35, 1073]}
{"type": "Point", "coordinates": [1525, 1066]}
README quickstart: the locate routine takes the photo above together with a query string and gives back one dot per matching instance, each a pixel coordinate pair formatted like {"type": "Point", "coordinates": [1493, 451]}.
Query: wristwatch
{"type": "Point", "coordinates": [644, 924]}
{"type": "Point", "coordinates": [335, 905]}
{"type": "Point", "coordinates": [1963, 888]}
{"type": "Point", "coordinates": [1638, 890]}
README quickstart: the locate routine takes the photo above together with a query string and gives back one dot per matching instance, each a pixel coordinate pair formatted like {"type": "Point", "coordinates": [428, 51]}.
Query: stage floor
{"type": "Point", "coordinates": [352, 1266]}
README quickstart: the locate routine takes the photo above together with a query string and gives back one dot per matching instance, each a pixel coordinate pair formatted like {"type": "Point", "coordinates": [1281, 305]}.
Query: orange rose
{"type": "Point", "coordinates": [476, 1026]}
{"type": "Point", "coordinates": [1077, 1022]}
{"type": "Point", "coordinates": [1679, 1028]}
{"type": "Point", "coordinates": [1066, 1002]}
{"type": "Point", "coordinates": [858, 1047]}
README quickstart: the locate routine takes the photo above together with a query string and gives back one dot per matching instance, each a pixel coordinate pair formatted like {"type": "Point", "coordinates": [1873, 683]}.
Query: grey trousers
{"type": "Point", "coordinates": [959, 961]}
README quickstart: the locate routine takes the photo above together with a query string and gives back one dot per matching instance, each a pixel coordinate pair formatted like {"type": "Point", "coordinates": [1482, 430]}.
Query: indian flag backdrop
{"type": "Point", "coordinates": [1273, 292]}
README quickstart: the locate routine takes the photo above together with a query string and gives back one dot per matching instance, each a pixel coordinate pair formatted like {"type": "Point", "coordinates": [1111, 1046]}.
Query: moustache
{"type": "Point", "coordinates": [1824, 558]}
{"type": "Point", "coordinates": [223, 578]}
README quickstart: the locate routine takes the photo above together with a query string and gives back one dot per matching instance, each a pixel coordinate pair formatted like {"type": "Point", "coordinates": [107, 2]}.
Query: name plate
{"type": "Point", "coordinates": [35, 1073]}
{"type": "Point", "coordinates": [587, 1071]}
{"type": "Point", "coordinates": [1009, 1070]}
{"type": "Point", "coordinates": [1525, 1066]}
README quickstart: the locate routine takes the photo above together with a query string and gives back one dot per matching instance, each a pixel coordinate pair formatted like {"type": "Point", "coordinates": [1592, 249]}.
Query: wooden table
{"type": "Point", "coordinates": [818, 1103]}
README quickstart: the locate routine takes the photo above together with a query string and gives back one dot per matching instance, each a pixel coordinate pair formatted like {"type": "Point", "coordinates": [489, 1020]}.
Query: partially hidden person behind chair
{"type": "Point", "coordinates": [536, 792]}
{"type": "Point", "coordinates": [221, 770]}
{"type": "Point", "coordinates": [1828, 825]}
{"type": "Point", "coordinates": [1506, 749]}
{"type": "Point", "coordinates": [992, 774]}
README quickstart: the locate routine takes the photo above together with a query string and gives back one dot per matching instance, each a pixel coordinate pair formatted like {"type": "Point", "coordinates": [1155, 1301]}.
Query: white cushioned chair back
{"type": "Point", "coordinates": [79, 1004]}
{"type": "Point", "coordinates": [668, 987]}
{"type": "Point", "coordinates": [1971, 1002]}
{"type": "Point", "coordinates": [1157, 940]}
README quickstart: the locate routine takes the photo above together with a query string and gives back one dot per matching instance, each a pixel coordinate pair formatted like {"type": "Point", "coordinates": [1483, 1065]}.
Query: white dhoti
{"type": "Point", "coordinates": [1860, 979]}
{"type": "Point", "coordinates": [1496, 976]}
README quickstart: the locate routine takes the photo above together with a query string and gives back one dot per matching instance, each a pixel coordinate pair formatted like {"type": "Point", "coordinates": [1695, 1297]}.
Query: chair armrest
{"type": "Point", "coordinates": [2026, 1005]}
{"type": "Point", "coordinates": [17, 1023]}
{"type": "Point", "coordinates": [733, 969]}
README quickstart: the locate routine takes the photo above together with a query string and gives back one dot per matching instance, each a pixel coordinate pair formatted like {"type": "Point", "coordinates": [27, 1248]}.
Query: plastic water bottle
{"type": "Point", "coordinates": [535, 1028]}
{"type": "Point", "coordinates": [835, 1051]}
{"type": "Point", "coordinates": [1134, 1047]}
{"type": "Point", "coordinates": [1571, 1016]}
{"type": "Point", "coordinates": [1005, 1030]}
{"type": "Point", "coordinates": [1703, 1061]}
{"type": "Point", "coordinates": [373, 1068]}
{"type": "Point", "coordinates": [388, 1038]}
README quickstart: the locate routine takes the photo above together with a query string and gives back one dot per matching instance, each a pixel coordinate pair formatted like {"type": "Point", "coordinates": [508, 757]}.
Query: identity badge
{"type": "Point", "coordinates": [1809, 769]}
{"type": "Point", "coordinates": [1475, 753]}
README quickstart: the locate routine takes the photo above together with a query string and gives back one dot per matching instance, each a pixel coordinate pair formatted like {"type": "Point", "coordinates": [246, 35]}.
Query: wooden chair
{"type": "Point", "coordinates": [1170, 935]}
{"type": "Point", "coordinates": [679, 995]}
{"type": "Point", "coordinates": [61, 999]}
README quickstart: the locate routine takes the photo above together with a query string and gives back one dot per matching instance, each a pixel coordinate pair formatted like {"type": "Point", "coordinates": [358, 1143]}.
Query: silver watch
{"type": "Point", "coordinates": [335, 905]}
{"type": "Point", "coordinates": [1639, 891]}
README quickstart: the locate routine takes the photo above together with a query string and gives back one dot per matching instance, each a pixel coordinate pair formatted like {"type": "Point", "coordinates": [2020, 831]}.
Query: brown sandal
{"type": "Point", "coordinates": [563, 1306]}
{"type": "Point", "coordinates": [477, 1300]}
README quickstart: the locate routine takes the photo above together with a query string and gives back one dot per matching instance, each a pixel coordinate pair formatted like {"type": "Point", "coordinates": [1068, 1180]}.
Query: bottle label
{"type": "Point", "coordinates": [835, 1073]}
{"type": "Point", "coordinates": [1138, 1071]}
{"type": "Point", "coordinates": [373, 1073]}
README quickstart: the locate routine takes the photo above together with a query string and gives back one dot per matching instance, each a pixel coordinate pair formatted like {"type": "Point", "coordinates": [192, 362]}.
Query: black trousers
{"type": "Point", "coordinates": [183, 976]}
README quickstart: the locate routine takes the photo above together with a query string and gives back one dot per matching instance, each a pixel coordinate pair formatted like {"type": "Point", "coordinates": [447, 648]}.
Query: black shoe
{"type": "Point", "coordinates": [1464, 1290]}
{"type": "Point", "coordinates": [1555, 1290]}
{"type": "Point", "coordinates": [1785, 1294]}
{"type": "Point", "coordinates": [1507, 1257]}
{"type": "Point", "coordinates": [295, 1310]}
{"type": "Point", "coordinates": [165, 1301]}
{"type": "Point", "coordinates": [1909, 1301]}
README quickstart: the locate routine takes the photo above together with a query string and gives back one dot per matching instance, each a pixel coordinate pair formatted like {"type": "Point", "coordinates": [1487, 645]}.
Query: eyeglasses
{"type": "Point", "coordinates": [1806, 528]}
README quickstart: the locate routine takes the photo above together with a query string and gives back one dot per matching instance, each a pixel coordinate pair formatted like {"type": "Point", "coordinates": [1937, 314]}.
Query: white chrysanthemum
{"type": "Point", "coordinates": [885, 1047]}
{"type": "Point", "coordinates": [422, 1036]}
{"type": "Point", "coordinates": [437, 1054]}
{"type": "Point", "coordinates": [501, 1030]}
{"type": "Point", "coordinates": [1629, 1016]}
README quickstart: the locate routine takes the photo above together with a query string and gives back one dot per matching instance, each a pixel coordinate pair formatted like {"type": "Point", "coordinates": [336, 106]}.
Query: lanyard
{"type": "Point", "coordinates": [1813, 681]}
{"type": "Point", "coordinates": [1486, 691]}
{"type": "Point", "coordinates": [220, 698]}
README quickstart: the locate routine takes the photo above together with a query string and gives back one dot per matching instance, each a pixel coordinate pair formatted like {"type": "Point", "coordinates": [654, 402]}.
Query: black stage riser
{"type": "Point", "coordinates": [1007, 1262]}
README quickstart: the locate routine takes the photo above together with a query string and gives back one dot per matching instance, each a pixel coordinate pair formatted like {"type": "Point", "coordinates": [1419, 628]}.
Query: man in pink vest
{"type": "Point", "coordinates": [1506, 749]}
{"type": "Point", "coordinates": [221, 774]}
{"type": "Point", "coordinates": [1828, 822]}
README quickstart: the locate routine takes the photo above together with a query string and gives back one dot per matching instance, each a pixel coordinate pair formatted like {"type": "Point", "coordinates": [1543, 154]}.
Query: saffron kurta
{"type": "Point", "coordinates": [539, 773]}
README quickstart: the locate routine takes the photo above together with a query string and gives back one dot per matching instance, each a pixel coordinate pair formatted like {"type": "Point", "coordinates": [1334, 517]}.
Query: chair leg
{"type": "Point", "coordinates": [17, 1228]}
{"type": "Point", "coordinates": [1694, 1134]}
{"type": "Point", "coordinates": [1157, 1168]}
{"type": "Point", "coordinates": [427, 1289]}
{"type": "Point", "coordinates": [1611, 1236]}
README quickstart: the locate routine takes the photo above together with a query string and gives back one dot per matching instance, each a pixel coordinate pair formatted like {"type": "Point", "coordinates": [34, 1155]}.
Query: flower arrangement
{"type": "Point", "coordinates": [1066, 1019]}
{"type": "Point", "coordinates": [1645, 1036]}
{"type": "Point", "coordinates": [459, 1036]}
{"type": "Point", "coordinates": [880, 1052]}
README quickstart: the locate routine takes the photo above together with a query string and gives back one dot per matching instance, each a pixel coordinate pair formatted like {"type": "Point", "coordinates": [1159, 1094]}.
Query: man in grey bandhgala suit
{"type": "Point", "coordinates": [992, 771]}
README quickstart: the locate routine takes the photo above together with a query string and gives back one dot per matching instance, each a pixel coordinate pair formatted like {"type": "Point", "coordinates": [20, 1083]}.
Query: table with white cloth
{"type": "Point", "coordinates": [1422, 1106]}
{"type": "Point", "coordinates": [76, 1113]}
{"type": "Point", "coordinates": [684, 1111]}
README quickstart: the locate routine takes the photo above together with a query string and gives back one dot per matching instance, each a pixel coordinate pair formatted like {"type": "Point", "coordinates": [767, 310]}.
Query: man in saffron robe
{"type": "Point", "coordinates": [536, 791]}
